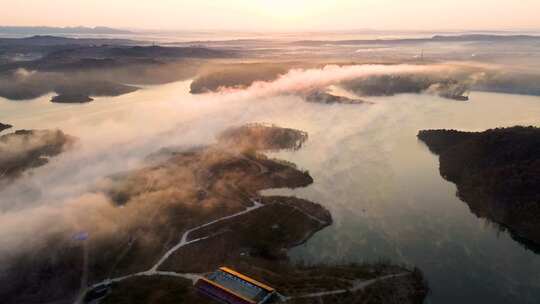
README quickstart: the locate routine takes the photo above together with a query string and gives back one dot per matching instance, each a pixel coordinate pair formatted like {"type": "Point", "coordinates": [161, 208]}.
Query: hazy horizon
{"type": "Point", "coordinates": [346, 151]}
{"type": "Point", "coordinates": [283, 31]}
{"type": "Point", "coordinates": [278, 15]}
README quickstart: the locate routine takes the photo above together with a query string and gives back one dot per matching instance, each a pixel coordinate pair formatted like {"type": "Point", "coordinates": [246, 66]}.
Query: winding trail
{"type": "Point", "coordinates": [185, 242]}
{"type": "Point", "coordinates": [316, 219]}
{"type": "Point", "coordinates": [153, 271]}
{"type": "Point", "coordinates": [357, 286]}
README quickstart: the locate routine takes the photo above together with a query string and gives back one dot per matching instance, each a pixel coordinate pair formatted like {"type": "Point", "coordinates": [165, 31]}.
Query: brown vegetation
{"type": "Point", "coordinates": [239, 75]}
{"type": "Point", "coordinates": [262, 137]}
{"type": "Point", "coordinates": [327, 98]}
{"type": "Point", "coordinates": [155, 290]}
{"type": "Point", "coordinates": [149, 209]}
{"type": "Point", "coordinates": [255, 243]}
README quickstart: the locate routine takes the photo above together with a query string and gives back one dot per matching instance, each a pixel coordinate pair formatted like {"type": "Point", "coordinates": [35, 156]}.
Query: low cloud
{"type": "Point", "coordinates": [116, 136]}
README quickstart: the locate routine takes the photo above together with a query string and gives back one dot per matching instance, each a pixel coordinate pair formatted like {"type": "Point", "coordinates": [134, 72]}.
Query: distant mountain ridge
{"type": "Point", "coordinates": [435, 38]}
{"type": "Point", "coordinates": [482, 37]}
{"type": "Point", "coordinates": [49, 40]}
{"type": "Point", "coordinates": [47, 30]}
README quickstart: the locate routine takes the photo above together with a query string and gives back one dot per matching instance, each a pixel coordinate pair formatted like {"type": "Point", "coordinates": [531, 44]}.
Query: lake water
{"type": "Point", "coordinates": [388, 200]}
{"type": "Point", "coordinates": [380, 183]}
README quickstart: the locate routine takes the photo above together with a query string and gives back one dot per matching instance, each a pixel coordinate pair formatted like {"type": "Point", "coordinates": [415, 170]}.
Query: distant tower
{"type": "Point", "coordinates": [422, 55]}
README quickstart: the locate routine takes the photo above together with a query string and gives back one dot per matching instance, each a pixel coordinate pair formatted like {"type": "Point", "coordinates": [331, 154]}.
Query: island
{"type": "Point", "coordinates": [186, 212]}
{"type": "Point", "coordinates": [81, 92]}
{"type": "Point", "coordinates": [71, 98]}
{"type": "Point", "coordinates": [258, 136]}
{"type": "Point", "coordinates": [452, 87]}
{"type": "Point", "coordinates": [4, 127]}
{"type": "Point", "coordinates": [27, 149]}
{"type": "Point", "coordinates": [236, 75]}
{"type": "Point", "coordinates": [321, 96]}
{"type": "Point", "coordinates": [34, 66]}
{"type": "Point", "coordinates": [254, 239]}
{"type": "Point", "coordinates": [497, 173]}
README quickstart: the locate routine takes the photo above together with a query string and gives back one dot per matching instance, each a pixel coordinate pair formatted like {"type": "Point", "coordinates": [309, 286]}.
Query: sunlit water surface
{"type": "Point", "coordinates": [388, 200]}
{"type": "Point", "coordinates": [380, 183]}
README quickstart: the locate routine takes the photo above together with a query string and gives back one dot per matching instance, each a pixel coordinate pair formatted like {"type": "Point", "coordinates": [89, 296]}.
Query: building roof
{"type": "Point", "coordinates": [231, 287]}
{"type": "Point", "coordinates": [247, 279]}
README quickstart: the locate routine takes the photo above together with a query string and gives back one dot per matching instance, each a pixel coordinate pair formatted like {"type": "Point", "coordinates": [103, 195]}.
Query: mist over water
{"type": "Point", "coordinates": [381, 185]}
{"type": "Point", "coordinates": [389, 201]}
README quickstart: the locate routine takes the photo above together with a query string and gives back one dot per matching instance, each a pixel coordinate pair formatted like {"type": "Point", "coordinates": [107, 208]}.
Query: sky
{"type": "Point", "coordinates": [281, 15]}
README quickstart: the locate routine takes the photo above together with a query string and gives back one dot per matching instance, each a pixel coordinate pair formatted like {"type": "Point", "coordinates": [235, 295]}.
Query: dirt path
{"type": "Point", "coordinates": [183, 242]}
{"type": "Point", "coordinates": [153, 271]}
{"type": "Point", "coordinates": [357, 286]}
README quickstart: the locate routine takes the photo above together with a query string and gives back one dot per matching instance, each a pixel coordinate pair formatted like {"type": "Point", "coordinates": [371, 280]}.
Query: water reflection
{"type": "Point", "coordinates": [381, 185]}
{"type": "Point", "coordinates": [389, 201]}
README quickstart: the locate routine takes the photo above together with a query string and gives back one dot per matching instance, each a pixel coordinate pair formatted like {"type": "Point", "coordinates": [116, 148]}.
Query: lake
{"type": "Point", "coordinates": [389, 202]}
{"type": "Point", "coordinates": [380, 183]}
